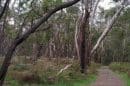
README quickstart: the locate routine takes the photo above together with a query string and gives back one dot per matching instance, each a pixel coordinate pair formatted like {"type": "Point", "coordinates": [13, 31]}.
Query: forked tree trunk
{"type": "Point", "coordinates": [80, 39]}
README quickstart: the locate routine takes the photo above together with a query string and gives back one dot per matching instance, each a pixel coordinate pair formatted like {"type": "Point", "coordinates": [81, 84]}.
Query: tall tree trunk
{"type": "Point", "coordinates": [6, 62]}
{"type": "Point", "coordinates": [51, 49]}
{"type": "Point", "coordinates": [2, 37]}
{"type": "Point", "coordinates": [77, 37]}
{"type": "Point", "coordinates": [81, 40]}
{"type": "Point", "coordinates": [35, 52]}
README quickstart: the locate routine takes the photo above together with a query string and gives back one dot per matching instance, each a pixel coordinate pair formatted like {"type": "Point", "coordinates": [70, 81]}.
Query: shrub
{"type": "Point", "coordinates": [44, 72]}
{"type": "Point", "coordinates": [20, 67]}
{"type": "Point", "coordinates": [25, 76]}
{"type": "Point", "coordinates": [92, 69]}
{"type": "Point", "coordinates": [129, 73]}
{"type": "Point", "coordinates": [121, 67]}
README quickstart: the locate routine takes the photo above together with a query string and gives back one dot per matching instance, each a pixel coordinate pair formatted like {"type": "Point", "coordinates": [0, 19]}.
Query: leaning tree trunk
{"type": "Point", "coordinates": [2, 38]}
{"type": "Point", "coordinates": [6, 62]}
{"type": "Point", "coordinates": [107, 30]}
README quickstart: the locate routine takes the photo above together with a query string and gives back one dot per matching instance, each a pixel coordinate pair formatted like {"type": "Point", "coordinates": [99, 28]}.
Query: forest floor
{"type": "Point", "coordinates": [108, 78]}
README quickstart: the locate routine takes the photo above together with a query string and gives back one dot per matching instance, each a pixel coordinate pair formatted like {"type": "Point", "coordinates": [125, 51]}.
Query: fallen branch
{"type": "Point", "coordinates": [63, 69]}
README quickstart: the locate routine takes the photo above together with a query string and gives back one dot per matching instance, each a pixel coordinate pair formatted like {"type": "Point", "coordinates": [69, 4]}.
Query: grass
{"type": "Point", "coordinates": [43, 73]}
{"type": "Point", "coordinates": [120, 66]}
{"type": "Point", "coordinates": [123, 69]}
{"type": "Point", "coordinates": [76, 82]}
{"type": "Point", "coordinates": [83, 82]}
{"type": "Point", "coordinates": [125, 77]}
{"type": "Point", "coordinates": [86, 82]}
{"type": "Point", "coordinates": [11, 82]}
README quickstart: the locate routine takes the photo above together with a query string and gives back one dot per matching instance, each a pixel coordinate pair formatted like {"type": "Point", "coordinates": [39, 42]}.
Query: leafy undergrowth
{"type": "Point", "coordinates": [82, 82]}
{"type": "Point", "coordinates": [44, 73]}
{"type": "Point", "coordinates": [123, 69]}
{"type": "Point", "coordinates": [126, 78]}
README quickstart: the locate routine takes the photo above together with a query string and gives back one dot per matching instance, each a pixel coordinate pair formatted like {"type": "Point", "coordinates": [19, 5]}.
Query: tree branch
{"type": "Point", "coordinates": [44, 19]}
{"type": "Point", "coordinates": [63, 69]}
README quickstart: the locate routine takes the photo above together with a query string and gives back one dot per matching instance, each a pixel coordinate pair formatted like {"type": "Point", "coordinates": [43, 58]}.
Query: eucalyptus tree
{"type": "Point", "coordinates": [109, 26]}
{"type": "Point", "coordinates": [4, 5]}
{"type": "Point", "coordinates": [22, 37]}
{"type": "Point", "coordinates": [83, 32]}
{"type": "Point", "coordinates": [109, 18]}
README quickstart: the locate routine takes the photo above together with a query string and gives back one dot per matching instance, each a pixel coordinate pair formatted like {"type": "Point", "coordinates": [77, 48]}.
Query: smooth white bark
{"type": "Point", "coordinates": [63, 69]}
{"type": "Point", "coordinates": [108, 28]}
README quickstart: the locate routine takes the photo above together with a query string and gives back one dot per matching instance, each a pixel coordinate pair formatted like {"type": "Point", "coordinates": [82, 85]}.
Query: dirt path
{"type": "Point", "coordinates": [107, 78]}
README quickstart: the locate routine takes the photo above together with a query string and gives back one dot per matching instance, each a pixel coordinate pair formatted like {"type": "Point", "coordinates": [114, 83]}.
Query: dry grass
{"type": "Point", "coordinates": [44, 71]}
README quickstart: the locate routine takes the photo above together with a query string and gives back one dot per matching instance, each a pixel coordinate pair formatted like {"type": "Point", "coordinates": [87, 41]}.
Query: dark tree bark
{"type": "Point", "coordinates": [82, 41]}
{"type": "Point", "coordinates": [19, 39]}
{"type": "Point", "coordinates": [2, 38]}
{"type": "Point", "coordinates": [4, 8]}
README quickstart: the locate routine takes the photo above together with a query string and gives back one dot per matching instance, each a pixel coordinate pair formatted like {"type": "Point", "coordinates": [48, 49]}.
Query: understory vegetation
{"type": "Point", "coordinates": [62, 42]}
{"type": "Point", "coordinates": [44, 73]}
{"type": "Point", "coordinates": [123, 69]}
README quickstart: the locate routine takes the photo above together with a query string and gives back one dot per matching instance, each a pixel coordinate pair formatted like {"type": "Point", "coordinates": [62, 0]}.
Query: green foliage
{"type": "Point", "coordinates": [125, 17]}
{"type": "Point", "coordinates": [47, 4]}
{"type": "Point", "coordinates": [10, 31]}
{"type": "Point", "coordinates": [73, 10]}
{"type": "Point", "coordinates": [95, 36]}
{"type": "Point", "coordinates": [122, 69]}
{"type": "Point", "coordinates": [93, 68]}
{"type": "Point", "coordinates": [126, 78]}
{"type": "Point", "coordinates": [110, 12]}
{"type": "Point", "coordinates": [20, 67]}
{"type": "Point", "coordinates": [117, 42]}
{"type": "Point", "coordinates": [43, 73]}
{"type": "Point", "coordinates": [12, 82]}
{"type": "Point", "coordinates": [24, 5]}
